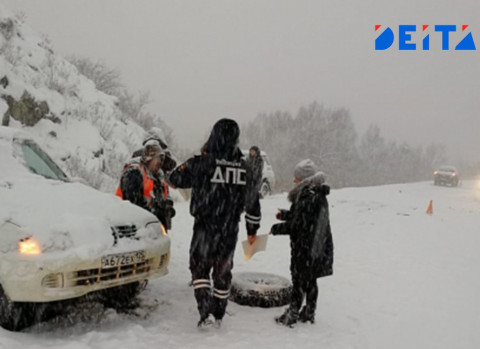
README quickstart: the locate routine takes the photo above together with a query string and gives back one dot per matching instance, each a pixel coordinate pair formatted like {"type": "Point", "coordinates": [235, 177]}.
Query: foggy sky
{"type": "Point", "coordinates": [203, 60]}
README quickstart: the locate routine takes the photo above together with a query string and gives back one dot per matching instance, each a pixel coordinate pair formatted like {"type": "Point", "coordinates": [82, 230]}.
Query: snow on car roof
{"type": "Point", "coordinates": [52, 209]}
{"type": "Point", "coordinates": [447, 168]}
{"type": "Point", "coordinates": [9, 133]}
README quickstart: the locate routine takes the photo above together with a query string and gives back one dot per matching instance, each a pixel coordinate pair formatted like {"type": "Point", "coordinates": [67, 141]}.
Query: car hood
{"type": "Point", "coordinates": [60, 215]}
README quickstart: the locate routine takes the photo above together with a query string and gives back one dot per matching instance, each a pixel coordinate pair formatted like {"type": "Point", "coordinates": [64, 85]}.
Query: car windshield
{"type": "Point", "coordinates": [40, 163]}
{"type": "Point", "coordinates": [447, 169]}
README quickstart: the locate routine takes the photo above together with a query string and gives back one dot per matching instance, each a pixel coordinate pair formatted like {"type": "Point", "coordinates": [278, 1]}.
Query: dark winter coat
{"type": "Point", "coordinates": [308, 224]}
{"type": "Point", "coordinates": [221, 182]}
{"type": "Point", "coordinates": [256, 164]}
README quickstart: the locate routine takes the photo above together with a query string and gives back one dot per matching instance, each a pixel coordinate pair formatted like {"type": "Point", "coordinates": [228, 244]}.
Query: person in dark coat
{"type": "Point", "coordinates": [255, 161]}
{"type": "Point", "coordinates": [308, 225]}
{"type": "Point", "coordinates": [141, 183]}
{"type": "Point", "coordinates": [221, 181]}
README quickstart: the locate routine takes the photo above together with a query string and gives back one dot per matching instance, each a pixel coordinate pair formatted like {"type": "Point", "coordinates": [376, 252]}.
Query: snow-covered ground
{"type": "Point", "coordinates": [403, 279]}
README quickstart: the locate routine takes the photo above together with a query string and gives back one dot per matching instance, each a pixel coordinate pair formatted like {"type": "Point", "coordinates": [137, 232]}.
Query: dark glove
{"type": "Point", "coordinates": [168, 163]}
{"type": "Point", "coordinates": [274, 229]}
{"type": "Point", "coordinates": [163, 209]}
{"type": "Point", "coordinates": [252, 228]}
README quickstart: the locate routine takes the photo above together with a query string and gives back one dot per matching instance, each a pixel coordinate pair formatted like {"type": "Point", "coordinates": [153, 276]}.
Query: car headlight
{"type": "Point", "coordinates": [29, 246]}
{"type": "Point", "coordinates": [164, 231]}
{"type": "Point", "coordinates": [155, 229]}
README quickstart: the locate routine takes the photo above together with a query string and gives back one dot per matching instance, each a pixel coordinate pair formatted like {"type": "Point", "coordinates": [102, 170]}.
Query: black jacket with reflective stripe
{"type": "Point", "coordinates": [221, 189]}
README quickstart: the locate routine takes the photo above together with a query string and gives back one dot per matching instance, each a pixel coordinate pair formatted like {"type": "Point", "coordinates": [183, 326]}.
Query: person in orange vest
{"type": "Point", "coordinates": [169, 162]}
{"type": "Point", "coordinates": [141, 184]}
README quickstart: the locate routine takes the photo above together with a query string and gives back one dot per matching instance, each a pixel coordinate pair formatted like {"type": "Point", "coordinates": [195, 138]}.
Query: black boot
{"type": "Point", "coordinates": [205, 322]}
{"type": "Point", "coordinates": [288, 318]}
{"type": "Point", "coordinates": [307, 314]}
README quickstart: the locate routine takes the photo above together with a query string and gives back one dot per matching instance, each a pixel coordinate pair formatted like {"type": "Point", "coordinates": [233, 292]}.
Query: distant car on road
{"type": "Point", "coordinates": [268, 176]}
{"type": "Point", "coordinates": [446, 175]}
{"type": "Point", "coordinates": [60, 239]}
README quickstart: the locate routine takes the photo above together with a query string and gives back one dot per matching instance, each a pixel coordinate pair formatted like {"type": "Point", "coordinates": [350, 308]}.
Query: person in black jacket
{"type": "Point", "coordinates": [221, 183]}
{"type": "Point", "coordinates": [255, 161]}
{"type": "Point", "coordinates": [308, 224]}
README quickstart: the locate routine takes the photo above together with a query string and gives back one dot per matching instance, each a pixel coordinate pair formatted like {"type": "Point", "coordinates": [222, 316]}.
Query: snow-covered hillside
{"type": "Point", "coordinates": [81, 127]}
{"type": "Point", "coordinates": [402, 279]}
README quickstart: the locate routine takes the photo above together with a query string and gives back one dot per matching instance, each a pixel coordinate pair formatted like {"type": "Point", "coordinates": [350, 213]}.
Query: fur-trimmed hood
{"type": "Point", "coordinates": [317, 180]}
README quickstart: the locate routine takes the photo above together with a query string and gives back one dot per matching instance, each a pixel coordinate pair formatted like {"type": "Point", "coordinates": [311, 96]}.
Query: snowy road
{"type": "Point", "coordinates": [403, 279]}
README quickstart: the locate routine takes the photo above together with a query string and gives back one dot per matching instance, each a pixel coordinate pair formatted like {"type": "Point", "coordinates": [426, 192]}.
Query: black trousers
{"type": "Point", "coordinates": [211, 252]}
{"type": "Point", "coordinates": [304, 286]}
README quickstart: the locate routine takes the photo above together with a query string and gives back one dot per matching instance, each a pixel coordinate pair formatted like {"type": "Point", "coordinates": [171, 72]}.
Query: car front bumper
{"type": "Point", "coordinates": [445, 179]}
{"type": "Point", "coordinates": [57, 276]}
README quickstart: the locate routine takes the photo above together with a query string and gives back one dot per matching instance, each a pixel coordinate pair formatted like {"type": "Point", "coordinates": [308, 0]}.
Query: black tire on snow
{"type": "Point", "coordinates": [15, 316]}
{"type": "Point", "coordinates": [260, 290]}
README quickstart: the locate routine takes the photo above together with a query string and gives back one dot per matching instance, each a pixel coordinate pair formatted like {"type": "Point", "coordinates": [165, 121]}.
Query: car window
{"type": "Point", "coordinates": [40, 163]}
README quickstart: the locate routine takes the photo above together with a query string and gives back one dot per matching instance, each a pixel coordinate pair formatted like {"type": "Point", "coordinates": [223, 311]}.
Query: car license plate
{"type": "Point", "coordinates": [115, 260]}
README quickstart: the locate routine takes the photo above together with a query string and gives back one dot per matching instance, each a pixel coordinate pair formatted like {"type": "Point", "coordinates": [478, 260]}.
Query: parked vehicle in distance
{"type": "Point", "coordinates": [446, 175]}
{"type": "Point", "coordinates": [60, 239]}
{"type": "Point", "coordinates": [268, 176]}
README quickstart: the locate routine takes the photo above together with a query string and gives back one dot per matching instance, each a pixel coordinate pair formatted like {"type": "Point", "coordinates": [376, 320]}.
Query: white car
{"type": "Point", "coordinates": [268, 176]}
{"type": "Point", "coordinates": [268, 179]}
{"type": "Point", "coordinates": [61, 239]}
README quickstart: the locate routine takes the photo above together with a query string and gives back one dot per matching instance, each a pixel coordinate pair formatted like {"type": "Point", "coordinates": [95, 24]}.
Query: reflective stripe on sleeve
{"type": "Point", "coordinates": [252, 219]}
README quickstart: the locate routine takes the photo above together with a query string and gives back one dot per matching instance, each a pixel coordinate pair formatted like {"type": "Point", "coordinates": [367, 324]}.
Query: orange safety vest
{"type": "Point", "coordinates": [148, 184]}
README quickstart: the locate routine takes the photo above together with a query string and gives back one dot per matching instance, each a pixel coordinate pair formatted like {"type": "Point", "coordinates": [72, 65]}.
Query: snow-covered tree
{"type": "Point", "coordinates": [329, 138]}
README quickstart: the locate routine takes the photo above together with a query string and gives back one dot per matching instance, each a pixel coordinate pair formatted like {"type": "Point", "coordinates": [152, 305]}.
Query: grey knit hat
{"type": "Point", "coordinates": [304, 169]}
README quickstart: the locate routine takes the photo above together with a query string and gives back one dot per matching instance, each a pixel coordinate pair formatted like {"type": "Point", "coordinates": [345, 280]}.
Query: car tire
{"type": "Point", "coordinates": [265, 189]}
{"type": "Point", "coordinates": [6, 311]}
{"type": "Point", "coordinates": [14, 316]}
{"type": "Point", "coordinates": [260, 290]}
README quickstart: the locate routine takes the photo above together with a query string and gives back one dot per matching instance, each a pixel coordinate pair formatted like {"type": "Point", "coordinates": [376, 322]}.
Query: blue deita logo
{"type": "Point", "coordinates": [408, 37]}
